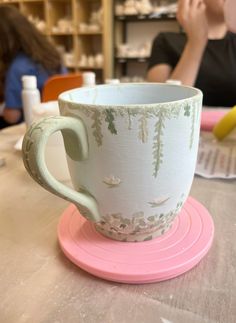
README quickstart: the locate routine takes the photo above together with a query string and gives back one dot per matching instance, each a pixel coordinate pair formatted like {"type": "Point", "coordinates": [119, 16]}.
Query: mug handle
{"type": "Point", "coordinates": [76, 145]}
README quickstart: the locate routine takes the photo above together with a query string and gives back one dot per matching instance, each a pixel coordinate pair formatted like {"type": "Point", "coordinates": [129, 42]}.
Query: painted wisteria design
{"type": "Point", "coordinates": [160, 114]}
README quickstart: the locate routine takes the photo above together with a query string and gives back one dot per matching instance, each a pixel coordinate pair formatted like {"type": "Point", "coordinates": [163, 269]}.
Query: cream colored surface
{"type": "Point", "coordinates": [39, 285]}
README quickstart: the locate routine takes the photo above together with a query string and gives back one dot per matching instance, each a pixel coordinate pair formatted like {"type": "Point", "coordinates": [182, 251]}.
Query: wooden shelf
{"type": "Point", "coordinates": [10, 1]}
{"type": "Point", "coordinates": [146, 18]}
{"type": "Point", "coordinates": [137, 32]}
{"type": "Point", "coordinates": [90, 33]}
{"type": "Point", "coordinates": [59, 33]}
{"type": "Point", "coordinates": [75, 41]}
{"type": "Point", "coordinates": [135, 59]}
{"type": "Point", "coordinates": [90, 68]}
{"type": "Point", "coordinates": [25, 1]}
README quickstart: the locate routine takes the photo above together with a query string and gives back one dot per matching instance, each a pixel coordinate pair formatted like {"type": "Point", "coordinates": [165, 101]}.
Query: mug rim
{"type": "Point", "coordinates": [198, 93]}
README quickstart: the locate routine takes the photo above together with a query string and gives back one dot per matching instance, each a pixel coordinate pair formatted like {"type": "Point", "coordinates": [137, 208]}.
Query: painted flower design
{"type": "Point", "coordinates": [112, 181]}
{"type": "Point", "coordinates": [158, 201]}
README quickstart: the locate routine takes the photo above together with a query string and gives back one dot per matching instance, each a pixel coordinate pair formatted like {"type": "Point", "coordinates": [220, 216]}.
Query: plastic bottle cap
{"type": "Point", "coordinates": [225, 125]}
{"type": "Point", "coordinates": [89, 78]}
{"type": "Point", "coordinates": [112, 81]}
{"type": "Point", "coordinates": [29, 82]}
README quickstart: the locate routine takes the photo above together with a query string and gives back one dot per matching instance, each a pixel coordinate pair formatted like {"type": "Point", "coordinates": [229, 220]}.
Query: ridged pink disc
{"type": "Point", "coordinates": [165, 257]}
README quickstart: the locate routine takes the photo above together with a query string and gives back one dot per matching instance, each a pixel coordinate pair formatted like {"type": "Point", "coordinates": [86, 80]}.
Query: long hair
{"type": "Point", "coordinates": [17, 34]}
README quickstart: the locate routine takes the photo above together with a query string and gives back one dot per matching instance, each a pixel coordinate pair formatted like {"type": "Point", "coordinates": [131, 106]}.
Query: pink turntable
{"type": "Point", "coordinates": [162, 258]}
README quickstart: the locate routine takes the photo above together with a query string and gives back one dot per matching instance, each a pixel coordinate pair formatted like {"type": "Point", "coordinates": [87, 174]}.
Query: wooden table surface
{"type": "Point", "coordinates": [39, 284]}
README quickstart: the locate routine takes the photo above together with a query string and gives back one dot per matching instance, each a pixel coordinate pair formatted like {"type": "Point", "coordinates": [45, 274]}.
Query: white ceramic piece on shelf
{"type": "Point", "coordinates": [83, 61]}
{"type": "Point", "coordinates": [172, 9]}
{"type": "Point", "coordinates": [61, 49]}
{"type": "Point", "coordinates": [160, 10]}
{"type": "Point", "coordinates": [137, 79]}
{"type": "Point", "coordinates": [65, 25]}
{"type": "Point", "coordinates": [169, 10]}
{"type": "Point", "coordinates": [91, 61]}
{"type": "Point", "coordinates": [83, 27]}
{"type": "Point", "coordinates": [144, 50]}
{"type": "Point", "coordinates": [99, 60]}
{"type": "Point", "coordinates": [122, 50]}
{"type": "Point", "coordinates": [93, 28]}
{"type": "Point", "coordinates": [41, 25]}
{"type": "Point", "coordinates": [55, 29]}
{"type": "Point", "coordinates": [125, 79]}
{"type": "Point", "coordinates": [37, 22]}
{"type": "Point", "coordinates": [132, 52]}
{"type": "Point", "coordinates": [145, 7]}
{"type": "Point", "coordinates": [96, 17]}
{"type": "Point", "coordinates": [142, 53]}
{"type": "Point", "coordinates": [119, 9]}
{"type": "Point", "coordinates": [130, 7]}
{"type": "Point", "coordinates": [112, 81]}
{"type": "Point", "coordinates": [69, 59]}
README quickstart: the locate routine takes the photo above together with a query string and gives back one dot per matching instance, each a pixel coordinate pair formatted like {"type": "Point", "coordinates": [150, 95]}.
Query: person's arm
{"type": "Point", "coordinates": [230, 14]}
{"type": "Point", "coordinates": [12, 113]}
{"type": "Point", "coordinates": [191, 15]}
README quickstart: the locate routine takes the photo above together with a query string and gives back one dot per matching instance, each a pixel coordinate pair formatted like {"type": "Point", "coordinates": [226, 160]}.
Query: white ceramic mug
{"type": "Point", "coordinates": [131, 151]}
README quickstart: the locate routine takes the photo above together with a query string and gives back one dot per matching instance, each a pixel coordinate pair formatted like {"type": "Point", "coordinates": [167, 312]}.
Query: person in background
{"type": "Point", "coordinates": [23, 51]}
{"type": "Point", "coordinates": [204, 56]}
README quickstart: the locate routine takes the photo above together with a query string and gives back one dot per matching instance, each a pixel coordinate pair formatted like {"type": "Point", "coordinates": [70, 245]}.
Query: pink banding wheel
{"type": "Point", "coordinates": [165, 257]}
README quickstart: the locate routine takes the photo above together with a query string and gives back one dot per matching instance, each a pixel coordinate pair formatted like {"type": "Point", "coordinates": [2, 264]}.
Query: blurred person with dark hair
{"type": "Point", "coordinates": [23, 51]}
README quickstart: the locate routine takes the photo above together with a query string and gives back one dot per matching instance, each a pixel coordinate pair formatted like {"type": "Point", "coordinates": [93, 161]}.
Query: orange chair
{"type": "Point", "coordinates": [60, 83]}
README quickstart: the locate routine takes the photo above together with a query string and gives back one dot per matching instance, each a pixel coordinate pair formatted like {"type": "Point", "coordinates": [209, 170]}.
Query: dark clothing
{"type": "Point", "coordinates": [217, 73]}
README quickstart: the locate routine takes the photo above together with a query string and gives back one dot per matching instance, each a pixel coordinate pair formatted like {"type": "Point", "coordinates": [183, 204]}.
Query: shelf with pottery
{"type": "Point", "coordinates": [131, 48]}
{"type": "Point", "coordinates": [77, 28]}
{"type": "Point", "coordinates": [139, 17]}
{"type": "Point", "coordinates": [11, 3]}
{"type": "Point", "coordinates": [136, 59]}
{"type": "Point", "coordinates": [35, 11]}
{"type": "Point", "coordinates": [145, 9]}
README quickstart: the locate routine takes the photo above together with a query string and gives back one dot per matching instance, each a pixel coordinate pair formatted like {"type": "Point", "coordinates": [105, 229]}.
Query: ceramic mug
{"type": "Point", "coordinates": [131, 151]}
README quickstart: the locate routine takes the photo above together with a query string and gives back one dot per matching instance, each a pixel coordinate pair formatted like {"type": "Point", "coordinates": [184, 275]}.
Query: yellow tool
{"type": "Point", "coordinates": [225, 125]}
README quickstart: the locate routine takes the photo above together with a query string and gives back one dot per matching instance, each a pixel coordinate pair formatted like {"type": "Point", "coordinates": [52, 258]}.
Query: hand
{"type": "Point", "coordinates": [192, 17]}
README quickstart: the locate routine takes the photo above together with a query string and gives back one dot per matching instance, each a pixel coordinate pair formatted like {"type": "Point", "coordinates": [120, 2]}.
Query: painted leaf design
{"type": "Point", "coordinates": [187, 111]}
{"type": "Point", "coordinates": [192, 128]}
{"type": "Point", "coordinates": [110, 120]}
{"type": "Point", "coordinates": [143, 130]}
{"type": "Point", "coordinates": [157, 144]}
{"type": "Point", "coordinates": [96, 125]}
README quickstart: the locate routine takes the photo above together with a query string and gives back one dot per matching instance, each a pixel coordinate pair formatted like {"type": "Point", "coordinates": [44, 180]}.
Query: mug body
{"type": "Point", "coordinates": [143, 143]}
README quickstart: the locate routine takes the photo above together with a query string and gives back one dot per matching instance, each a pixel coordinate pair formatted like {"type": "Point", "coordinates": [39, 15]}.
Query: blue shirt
{"type": "Point", "coordinates": [23, 65]}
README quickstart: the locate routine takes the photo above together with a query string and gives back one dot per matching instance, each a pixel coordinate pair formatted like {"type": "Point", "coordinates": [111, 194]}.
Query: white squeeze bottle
{"type": "Point", "coordinates": [89, 79]}
{"type": "Point", "coordinates": [30, 97]}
